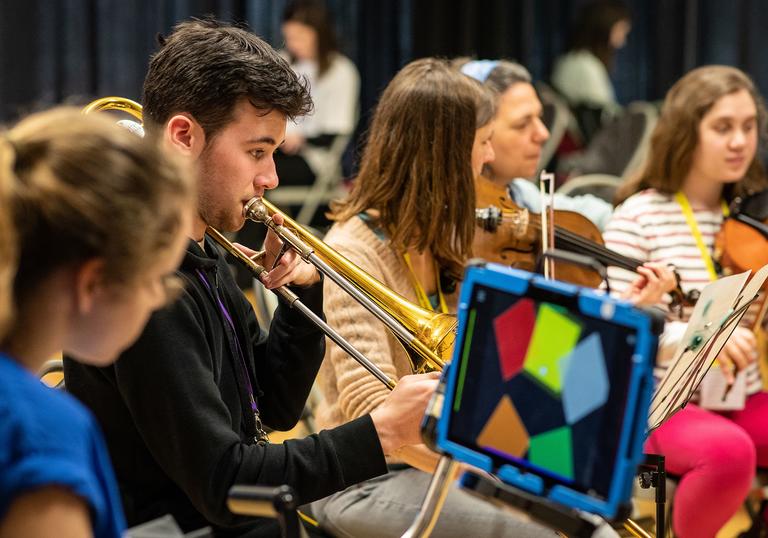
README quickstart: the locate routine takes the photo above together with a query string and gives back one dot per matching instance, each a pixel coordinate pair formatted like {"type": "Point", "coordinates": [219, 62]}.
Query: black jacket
{"type": "Point", "coordinates": [178, 422]}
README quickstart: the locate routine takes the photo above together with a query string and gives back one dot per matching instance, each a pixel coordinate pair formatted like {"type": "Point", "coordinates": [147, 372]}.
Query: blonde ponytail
{"type": "Point", "coordinates": [86, 188]}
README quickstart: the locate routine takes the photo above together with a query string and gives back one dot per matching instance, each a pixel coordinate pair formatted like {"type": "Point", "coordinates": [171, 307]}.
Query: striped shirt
{"type": "Point", "coordinates": [650, 226]}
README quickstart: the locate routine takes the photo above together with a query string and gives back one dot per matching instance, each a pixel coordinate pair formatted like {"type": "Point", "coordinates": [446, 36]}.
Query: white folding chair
{"type": "Point", "coordinates": [600, 185]}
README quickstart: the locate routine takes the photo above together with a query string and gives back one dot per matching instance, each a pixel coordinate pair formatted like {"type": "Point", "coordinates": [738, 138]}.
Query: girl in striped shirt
{"type": "Point", "coordinates": [702, 156]}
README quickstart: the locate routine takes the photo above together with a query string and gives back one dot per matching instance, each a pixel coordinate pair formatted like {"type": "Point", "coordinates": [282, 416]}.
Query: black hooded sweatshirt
{"type": "Point", "coordinates": [178, 420]}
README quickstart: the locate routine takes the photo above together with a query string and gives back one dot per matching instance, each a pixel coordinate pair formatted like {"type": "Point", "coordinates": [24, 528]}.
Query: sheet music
{"type": "Point", "coordinates": [720, 307]}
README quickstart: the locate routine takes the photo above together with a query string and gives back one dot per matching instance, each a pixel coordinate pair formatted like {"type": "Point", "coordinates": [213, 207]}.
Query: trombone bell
{"type": "Point", "coordinates": [428, 336]}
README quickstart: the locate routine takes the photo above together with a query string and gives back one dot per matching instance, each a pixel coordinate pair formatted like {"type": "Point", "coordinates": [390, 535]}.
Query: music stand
{"type": "Point", "coordinates": [720, 307]}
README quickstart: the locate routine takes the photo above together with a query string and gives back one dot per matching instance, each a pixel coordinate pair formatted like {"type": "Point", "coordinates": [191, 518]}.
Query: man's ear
{"type": "Point", "coordinates": [89, 282]}
{"type": "Point", "coordinates": [183, 133]}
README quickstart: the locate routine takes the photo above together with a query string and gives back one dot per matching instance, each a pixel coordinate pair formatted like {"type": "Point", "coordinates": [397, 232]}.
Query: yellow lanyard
{"type": "Point", "coordinates": [706, 257]}
{"type": "Point", "coordinates": [421, 295]}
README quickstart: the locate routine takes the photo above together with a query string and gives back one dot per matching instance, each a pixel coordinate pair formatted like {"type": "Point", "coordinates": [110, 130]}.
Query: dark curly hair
{"type": "Point", "coordinates": [204, 67]}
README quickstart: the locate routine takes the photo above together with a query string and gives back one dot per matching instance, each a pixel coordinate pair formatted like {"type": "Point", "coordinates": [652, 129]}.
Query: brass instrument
{"type": "Point", "coordinates": [428, 336]}
{"type": "Point", "coordinates": [115, 103]}
{"type": "Point", "coordinates": [294, 302]}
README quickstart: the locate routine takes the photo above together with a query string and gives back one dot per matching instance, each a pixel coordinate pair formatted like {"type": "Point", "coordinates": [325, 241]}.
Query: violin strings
{"type": "Point", "coordinates": [580, 243]}
{"type": "Point", "coordinates": [603, 254]}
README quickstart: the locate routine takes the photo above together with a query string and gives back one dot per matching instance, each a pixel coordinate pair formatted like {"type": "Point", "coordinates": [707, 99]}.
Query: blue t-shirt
{"type": "Point", "coordinates": [47, 438]}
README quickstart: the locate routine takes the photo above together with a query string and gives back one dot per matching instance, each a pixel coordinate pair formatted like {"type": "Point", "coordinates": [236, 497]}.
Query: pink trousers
{"type": "Point", "coordinates": [715, 454]}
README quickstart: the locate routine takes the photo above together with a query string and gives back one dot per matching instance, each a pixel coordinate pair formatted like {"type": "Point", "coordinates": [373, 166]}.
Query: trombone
{"type": "Point", "coordinates": [427, 336]}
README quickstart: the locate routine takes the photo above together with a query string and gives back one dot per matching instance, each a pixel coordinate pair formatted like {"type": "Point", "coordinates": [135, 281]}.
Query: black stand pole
{"type": "Point", "coordinates": [264, 501]}
{"type": "Point", "coordinates": [653, 474]}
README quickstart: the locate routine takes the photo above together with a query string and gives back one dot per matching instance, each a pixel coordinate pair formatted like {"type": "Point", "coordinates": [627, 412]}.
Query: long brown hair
{"type": "Point", "coordinates": [416, 167]}
{"type": "Point", "coordinates": [83, 188]}
{"type": "Point", "coordinates": [676, 135]}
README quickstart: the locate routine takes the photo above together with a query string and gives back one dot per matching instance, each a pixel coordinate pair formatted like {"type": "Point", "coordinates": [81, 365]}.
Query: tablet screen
{"type": "Point", "coordinates": [542, 387]}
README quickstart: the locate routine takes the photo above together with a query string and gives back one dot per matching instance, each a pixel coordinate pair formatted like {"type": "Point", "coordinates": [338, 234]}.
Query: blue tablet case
{"type": "Point", "coordinates": [549, 387]}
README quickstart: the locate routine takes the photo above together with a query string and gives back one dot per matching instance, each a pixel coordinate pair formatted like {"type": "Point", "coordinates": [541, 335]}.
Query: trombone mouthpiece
{"type": "Point", "coordinates": [256, 210]}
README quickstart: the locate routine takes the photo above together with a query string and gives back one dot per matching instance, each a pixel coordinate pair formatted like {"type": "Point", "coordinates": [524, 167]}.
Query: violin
{"type": "Point", "coordinates": [511, 235]}
{"type": "Point", "coordinates": [742, 243]}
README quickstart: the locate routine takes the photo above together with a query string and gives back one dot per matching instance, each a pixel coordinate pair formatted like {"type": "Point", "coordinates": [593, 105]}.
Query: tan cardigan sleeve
{"type": "Point", "coordinates": [358, 391]}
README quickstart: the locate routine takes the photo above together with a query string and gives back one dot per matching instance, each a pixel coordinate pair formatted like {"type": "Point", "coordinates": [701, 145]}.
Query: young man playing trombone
{"type": "Point", "coordinates": [183, 408]}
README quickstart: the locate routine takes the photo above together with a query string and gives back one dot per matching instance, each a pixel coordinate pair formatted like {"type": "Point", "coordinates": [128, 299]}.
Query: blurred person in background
{"type": "Point", "coordinates": [334, 85]}
{"type": "Point", "coordinates": [582, 75]}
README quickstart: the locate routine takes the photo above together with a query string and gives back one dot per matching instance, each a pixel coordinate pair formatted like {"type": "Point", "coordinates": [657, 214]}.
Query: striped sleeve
{"type": "Point", "coordinates": [625, 235]}
{"type": "Point", "coordinates": [650, 226]}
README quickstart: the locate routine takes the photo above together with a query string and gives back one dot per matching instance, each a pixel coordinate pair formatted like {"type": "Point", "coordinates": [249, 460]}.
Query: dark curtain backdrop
{"type": "Point", "coordinates": [54, 51]}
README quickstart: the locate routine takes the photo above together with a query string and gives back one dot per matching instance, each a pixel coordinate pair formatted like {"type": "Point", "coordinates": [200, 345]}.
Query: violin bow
{"type": "Point", "coordinates": [547, 192]}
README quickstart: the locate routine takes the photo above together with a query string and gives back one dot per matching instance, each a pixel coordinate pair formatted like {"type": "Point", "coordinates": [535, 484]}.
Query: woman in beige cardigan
{"type": "Point", "coordinates": [409, 223]}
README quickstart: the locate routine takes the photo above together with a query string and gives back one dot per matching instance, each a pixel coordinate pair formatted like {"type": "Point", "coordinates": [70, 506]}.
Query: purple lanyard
{"type": "Point", "coordinates": [228, 317]}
